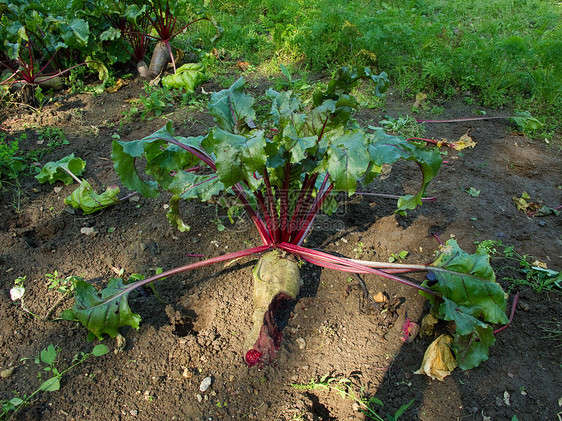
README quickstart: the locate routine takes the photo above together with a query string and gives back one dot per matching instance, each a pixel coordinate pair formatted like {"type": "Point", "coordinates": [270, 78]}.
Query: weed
{"type": "Point", "coordinates": [346, 389]}
{"type": "Point", "coordinates": [64, 286]}
{"type": "Point", "coordinates": [154, 103]}
{"type": "Point", "coordinates": [11, 166]}
{"type": "Point", "coordinates": [48, 359]}
{"type": "Point", "coordinates": [530, 273]}
{"type": "Point", "coordinates": [403, 126]}
{"type": "Point", "coordinates": [358, 249]}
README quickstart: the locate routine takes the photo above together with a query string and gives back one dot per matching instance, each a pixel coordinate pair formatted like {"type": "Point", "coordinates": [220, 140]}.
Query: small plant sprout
{"type": "Point", "coordinates": [398, 257]}
{"type": "Point", "coordinates": [283, 176]}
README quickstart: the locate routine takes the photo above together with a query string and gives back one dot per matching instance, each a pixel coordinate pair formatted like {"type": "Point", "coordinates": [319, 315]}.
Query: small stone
{"type": "Point", "coordinates": [301, 343]}
{"type": "Point", "coordinates": [134, 412]}
{"type": "Point", "coordinates": [88, 231]}
{"type": "Point", "coordinates": [523, 306]}
{"type": "Point", "coordinates": [57, 189]}
{"type": "Point", "coordinates": [7, 372]}
{"type": "Point", "coordinates": [205, 384]}
{"type": "Point", "coordinates": [199, 397]}
{"type": "Point", "coordinates": [355, 407]}
{"type": "Point", "coordinates": [120, 343]}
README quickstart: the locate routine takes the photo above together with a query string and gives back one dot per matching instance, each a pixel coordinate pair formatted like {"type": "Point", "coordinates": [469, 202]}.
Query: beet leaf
{"type": "Point", "coordinates": [104, 312]}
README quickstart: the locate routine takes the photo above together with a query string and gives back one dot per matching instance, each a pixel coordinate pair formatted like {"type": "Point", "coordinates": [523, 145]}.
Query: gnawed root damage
{"type": "Point", "coordinates": [276, 279]}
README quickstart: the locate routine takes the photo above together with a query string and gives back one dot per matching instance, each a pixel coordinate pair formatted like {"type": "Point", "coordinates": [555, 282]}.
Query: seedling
{"type": "Point", "coordinates": [398, 257]}
{"type": "Point", "coordinates": [283, 176]}
{"type": "Point", "coordinates": [404, 126]}
{"type": "Point", "coordinates": [472, 192]}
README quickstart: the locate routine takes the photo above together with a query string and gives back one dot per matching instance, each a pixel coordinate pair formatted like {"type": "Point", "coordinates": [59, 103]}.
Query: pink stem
{"type": "Point", "coordinates": [513, 307]}
{"type": "Point", "coordinates": [322, 258]}
{"type": "Point", "coordinates": [458, 120]}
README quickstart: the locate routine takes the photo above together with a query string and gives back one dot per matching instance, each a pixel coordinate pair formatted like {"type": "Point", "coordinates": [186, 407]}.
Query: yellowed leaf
{"type": "Point", "coordinates": [438, 360]}
{"type": "Point", "coordinates": [428, 325]}
{"type": "Point", "coordinates": [420, 98]}
{"type": "Point", "coordinates": [521, 203]}
{"type": "Point", "coordinates": [540, 264]}
{"type": "Point", "coordinates": [464, 142]}
{"type": "Point", "coordinates": [116, 86]}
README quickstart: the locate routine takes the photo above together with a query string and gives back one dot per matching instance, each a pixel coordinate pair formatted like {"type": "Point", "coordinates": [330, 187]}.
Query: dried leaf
{"type": "Point", "coordinates": [116, 86]}
{"type": "Point", "coordinates": [464, 142]}
{"type": "Point", "coordinates": [380, 298]}
{"type": "Point", "coordinates": [540, 264]}
{"type": "Point", "coordinates": [438, 361]}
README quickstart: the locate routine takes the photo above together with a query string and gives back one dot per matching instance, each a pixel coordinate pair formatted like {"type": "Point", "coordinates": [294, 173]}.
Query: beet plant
{"type": "Point", "coordinates": [282, 177]}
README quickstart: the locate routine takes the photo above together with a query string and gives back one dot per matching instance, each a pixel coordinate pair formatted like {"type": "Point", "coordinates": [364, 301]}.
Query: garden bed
{"type": "Point", "coordinates": [195, 327]}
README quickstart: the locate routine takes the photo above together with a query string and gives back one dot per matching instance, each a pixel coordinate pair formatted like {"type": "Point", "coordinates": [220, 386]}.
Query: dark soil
{"type": "Point", "coordinates": [197, 326]}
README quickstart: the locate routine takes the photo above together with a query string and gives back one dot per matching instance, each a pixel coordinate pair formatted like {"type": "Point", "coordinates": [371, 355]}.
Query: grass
{"type": "Point", "coordinates": [502, 53]}
{"type": "Point", "coordinates": [505, 53]}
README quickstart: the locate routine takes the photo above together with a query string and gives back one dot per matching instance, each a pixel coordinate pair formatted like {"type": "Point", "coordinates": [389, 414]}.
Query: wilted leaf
{"type": "Point", "coordinates": [530, 208]}
{"type": "Point", "coordinates": [86, 198]}
{"type": "Point", "coordinates": [438, 361]}
{"type": "Point", "coordinates": [428, 325]}
{"type": "Point", "coordinates": [116, 86]}
{"type": "Point", "coordinates": [409, 330]}
{"type": "Point", "coordinates": [187, 77]}
{"type": "Point", "coordinates": [59, 170]}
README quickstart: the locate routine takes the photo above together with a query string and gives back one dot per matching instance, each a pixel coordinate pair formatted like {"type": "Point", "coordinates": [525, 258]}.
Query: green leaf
{"type": "Point", "coordinates": [124, 164]}
{"type": "Point", "coordinates": [526, 122]}
{"type": "Point", "coordinates": [187, 77]}
{"type": "Point", "coordinates": [99, 350]}
{"type": "Point", "coordinates": [173, 215]}
{"type": "Point", "coordinates": [86, 198]}
{"type": "Point", "coordinates": [164, 155]}
{"type": "Point", "coordinates": [233, 109]}
{"type": "Point", "coordinates": [50, 385]}
{"type": "Point", "coordinates": [75, 33]}
{"type": "Point", "coordinates": [99, 312]}
{"type": "Point", "coordinates": [471, 298]}
{"type": "Point", "coordinates": [347, 160]}
{"type": "Point", "coordinates": [49, 355]}
{"type": "Point", "coordinates": [237, 156]}
{"type": "Point", "coordinates": [59, 170]}
{"type": "Point", "coordinates": [386, 149]}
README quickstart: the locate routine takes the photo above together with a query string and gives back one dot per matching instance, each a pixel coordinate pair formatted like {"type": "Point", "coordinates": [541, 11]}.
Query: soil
{"type": "Point", "coordinates": [195, 327]}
